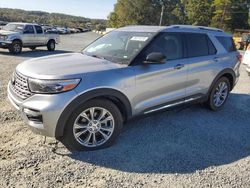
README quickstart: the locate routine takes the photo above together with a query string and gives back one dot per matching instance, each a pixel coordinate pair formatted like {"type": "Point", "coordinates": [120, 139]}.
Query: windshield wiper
{"type": "Point", "coordinates": [99, 57]}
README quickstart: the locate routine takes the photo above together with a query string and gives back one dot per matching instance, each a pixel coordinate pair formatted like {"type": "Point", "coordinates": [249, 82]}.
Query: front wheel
{"type": "Point", "coordinates": [219, 94]}
{"type": "Point", "coordinates": [51, 46]}
{"type": "Point", "coordinates": [15, 47]}
{"type": "Point", "coordinates": [94, 125]}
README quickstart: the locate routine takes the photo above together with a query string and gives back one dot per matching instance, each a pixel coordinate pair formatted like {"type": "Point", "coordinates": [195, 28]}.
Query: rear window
{"type": "Point", "coordinates": [199, 45]}
{"type": "Point", "coordinates": [227, 43]}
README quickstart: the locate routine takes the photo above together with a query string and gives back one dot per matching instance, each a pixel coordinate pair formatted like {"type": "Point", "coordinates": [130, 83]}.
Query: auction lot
{"type": "Point", "coordinates": [181, 147]}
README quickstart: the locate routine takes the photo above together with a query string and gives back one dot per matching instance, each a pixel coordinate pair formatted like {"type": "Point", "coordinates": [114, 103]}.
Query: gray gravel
{"type": "Point", "coordinates": [182, 147]}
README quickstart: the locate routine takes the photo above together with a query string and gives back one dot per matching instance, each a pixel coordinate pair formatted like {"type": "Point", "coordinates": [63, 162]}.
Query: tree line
{"type": "Point", "coordinates": [225, 14]}
{"type": "Point", "coordinates": [18, 15]}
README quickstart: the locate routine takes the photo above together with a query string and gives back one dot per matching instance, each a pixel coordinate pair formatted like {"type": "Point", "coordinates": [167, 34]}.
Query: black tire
{"type": "Point", "coordinates": [51, 45]}
{"type": "Point", "coordinates": [33, 48]}
{"type": "Point", "coordinates": [15, 47]}
{"type": "Point", "coordinates": [69, 139]}
{"type": "Point", "coordinates": [211, 104]}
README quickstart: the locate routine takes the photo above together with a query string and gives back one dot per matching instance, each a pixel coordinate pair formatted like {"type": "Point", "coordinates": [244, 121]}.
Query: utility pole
{"type": "Point", "coordinates": [162, 12]}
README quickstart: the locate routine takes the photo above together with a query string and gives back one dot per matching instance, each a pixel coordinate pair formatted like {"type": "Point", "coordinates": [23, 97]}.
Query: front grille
{"type": "Point", "coordinates": [19, 85]}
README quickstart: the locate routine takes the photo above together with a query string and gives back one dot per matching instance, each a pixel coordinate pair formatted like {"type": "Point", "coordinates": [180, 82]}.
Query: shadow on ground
{"type": "Point", "coordinates": [180, 140]}
{"type": "Point", "coordinates": [35, 53]}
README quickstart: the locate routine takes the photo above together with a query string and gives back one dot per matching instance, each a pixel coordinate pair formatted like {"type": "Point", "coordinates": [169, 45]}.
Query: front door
{"type": "Point", "coordinates": [163, 83]}
{"type": "Point", "coordinates": [28, 37]}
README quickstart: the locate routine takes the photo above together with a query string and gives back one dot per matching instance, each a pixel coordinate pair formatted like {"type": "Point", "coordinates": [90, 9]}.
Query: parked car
{"type": "Point", "coordinates": [15, 36]}
{"type": "Point", "coordinates": [82, 99]}
{"type": "Point", "coordinates": [80, 29]}
{"type": "Point", "coordinates": [246, 60]}
{"type": "Point", "coordinates": [62, 30]}
{"type": "Point", "coordinates": [246, 57]}
{"type": "Point", "coordinates": [243, 41]}
{"type": "Point", "coordinates": [2, 24]}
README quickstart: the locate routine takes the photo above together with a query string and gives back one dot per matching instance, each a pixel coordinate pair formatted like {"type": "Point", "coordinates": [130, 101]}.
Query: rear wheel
{"type": "Point", "coordinates": [219, 94]}
{"type": "Point", "coordinates": [15, 47]}
{"type": "Point", "coordinates": [51, 45]}
{"type": "Point", "coordinates": [94, 125]}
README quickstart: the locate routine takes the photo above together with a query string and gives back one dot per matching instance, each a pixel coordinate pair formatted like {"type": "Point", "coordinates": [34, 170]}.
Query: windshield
{"type": "Point", "coordinates": [119, 46]}
{"type": "Point", "coordinates": [14, 27]}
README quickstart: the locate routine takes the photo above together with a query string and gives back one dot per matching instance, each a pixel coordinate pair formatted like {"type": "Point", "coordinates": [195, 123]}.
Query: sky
{"type": "Point", "coordinates": [85, 8]}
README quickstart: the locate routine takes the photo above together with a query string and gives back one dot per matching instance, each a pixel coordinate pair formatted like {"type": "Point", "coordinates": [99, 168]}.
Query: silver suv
{"type": "Point", "coordinates": [83, 99]}
{"type": "Point", "coordinates": [15, 36]}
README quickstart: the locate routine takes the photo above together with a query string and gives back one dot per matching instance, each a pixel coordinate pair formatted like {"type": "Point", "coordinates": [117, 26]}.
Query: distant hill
{"type": "Point", "coordinates": [18, 15]}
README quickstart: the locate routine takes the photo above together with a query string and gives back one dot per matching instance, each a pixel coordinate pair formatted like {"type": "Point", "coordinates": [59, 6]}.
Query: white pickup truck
{"type": "Point", "coordinates": [15, 36]}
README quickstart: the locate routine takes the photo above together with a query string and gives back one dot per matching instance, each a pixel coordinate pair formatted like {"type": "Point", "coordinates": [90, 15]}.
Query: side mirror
{"type": "Point", "coordinates": [155, 57]}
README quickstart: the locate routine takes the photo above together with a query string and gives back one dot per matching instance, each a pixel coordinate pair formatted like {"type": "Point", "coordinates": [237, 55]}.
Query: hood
{"type": "Point", "coordinates": [70, 65]}
{"type": "Point", "coordinates": [4, 32]}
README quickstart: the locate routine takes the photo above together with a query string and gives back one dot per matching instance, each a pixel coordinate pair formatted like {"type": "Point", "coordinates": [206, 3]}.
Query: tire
{"type": "Point", "coordinates": [51, 46]}
{"type": "Point", "coordinates": [15, 47]}
{"type": "Point", "coordinates": [76, 136]}
{"type": "Point", "coordinates": [216, 98]}
{"type": "Point", "coordinates": [33, 48]}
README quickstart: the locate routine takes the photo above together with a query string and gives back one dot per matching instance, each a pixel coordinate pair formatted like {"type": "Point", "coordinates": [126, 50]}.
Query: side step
{"type": "Point", "coordinates": [173, 104]}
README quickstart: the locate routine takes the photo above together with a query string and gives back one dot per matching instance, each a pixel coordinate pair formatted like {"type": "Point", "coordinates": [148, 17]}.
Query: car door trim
{"type": "Point", "coordinates": [176, 103]}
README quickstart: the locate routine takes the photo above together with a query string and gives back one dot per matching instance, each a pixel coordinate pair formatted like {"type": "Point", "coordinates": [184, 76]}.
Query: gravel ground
{"type": "Point", "coordinates": [182, 147]}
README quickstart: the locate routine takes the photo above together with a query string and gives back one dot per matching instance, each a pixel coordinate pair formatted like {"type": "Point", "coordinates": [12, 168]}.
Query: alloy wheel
{"type": "Point", "coordinates": [93, 127]}
{"type": "Point", "coordinates": [220, 94]}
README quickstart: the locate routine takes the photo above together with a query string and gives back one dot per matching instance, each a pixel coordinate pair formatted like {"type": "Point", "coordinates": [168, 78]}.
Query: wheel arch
{"type": "Point", "coordinates": [17, 39]}
{"type": "Point", "coordinates": [51, 40]}
{"type": "Point", "coordinates": [228, 73]}
{"type": "Point", "coordinates": [115, 96]}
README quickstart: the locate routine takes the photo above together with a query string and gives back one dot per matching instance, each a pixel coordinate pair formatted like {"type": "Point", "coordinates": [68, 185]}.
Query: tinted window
{"type": "Point", "coordinates": [227, 43]}
{"type": "Point", "coordinates": [212, 49]}
{"type": "Point", "coordinates": [39, 29]}
{"type": "Point", "coordinates": [29, 29]}
{"type": "Point", "coordinates": [169, 44]}
{"type": "Point", "coordinates": [197, 45]}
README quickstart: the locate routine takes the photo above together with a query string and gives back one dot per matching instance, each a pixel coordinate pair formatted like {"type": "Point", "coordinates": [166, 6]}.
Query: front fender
{"type": "Point", "coordinates": [81, 99]}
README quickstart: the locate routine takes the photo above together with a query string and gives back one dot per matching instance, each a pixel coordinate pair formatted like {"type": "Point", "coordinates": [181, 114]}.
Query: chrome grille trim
{"type": "Point", "coordinates": [20, 87]}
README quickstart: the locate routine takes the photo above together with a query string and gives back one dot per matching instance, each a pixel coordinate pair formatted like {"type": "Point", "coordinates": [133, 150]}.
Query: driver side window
{"type": "Point", "coordinates": [169, 44]}
{"type": "Point", "coordinates": [29, 29]}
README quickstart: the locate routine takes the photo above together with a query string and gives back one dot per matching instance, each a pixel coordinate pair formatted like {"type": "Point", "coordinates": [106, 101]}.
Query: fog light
{"type": "Point", "coordinates": [33, 115]}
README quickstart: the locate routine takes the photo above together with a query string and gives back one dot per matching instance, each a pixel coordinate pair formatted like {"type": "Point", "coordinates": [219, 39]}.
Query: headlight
{"type": "Point", "coordinates": [3, 37]}
{"type": "Point", "coordinates": [52, 86]}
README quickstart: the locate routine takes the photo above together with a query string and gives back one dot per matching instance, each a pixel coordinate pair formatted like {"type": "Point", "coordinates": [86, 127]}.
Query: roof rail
{"type": "Point", "coordinates": [197, 27]}
{"type": "Point", "coordinates": [210, 29]}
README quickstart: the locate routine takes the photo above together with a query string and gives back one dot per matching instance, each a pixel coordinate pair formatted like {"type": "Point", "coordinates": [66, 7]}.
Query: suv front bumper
{"type": "Point", "coordinates": [5, 44]}
{"type": "Point", "coordinates": [41, 112]}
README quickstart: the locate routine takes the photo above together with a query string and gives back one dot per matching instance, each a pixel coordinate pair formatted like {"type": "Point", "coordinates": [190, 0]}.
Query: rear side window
{"type": "Point", "coordinates": [39, 29]}
{"type": "Point", "coordinates": [197, 45]}
{"type": "Point", "coordinates": [227, 43]}
{"type": "Point", "coordinates": [211, 48]}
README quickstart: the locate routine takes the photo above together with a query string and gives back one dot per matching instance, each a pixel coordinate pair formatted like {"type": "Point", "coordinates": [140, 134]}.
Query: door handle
{"type": "Point", "coordinates": [179, 66]}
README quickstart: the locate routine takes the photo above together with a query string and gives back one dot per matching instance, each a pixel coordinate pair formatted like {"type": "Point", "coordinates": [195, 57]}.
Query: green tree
{"type": "Point", "coordinates": [230, 14]}
{"type": "Point", "coordinates": [199, 12]}
{"type": "Point", "coordinates": [143, 12]}
{"type": "Point", "coordinates": [239, 14]}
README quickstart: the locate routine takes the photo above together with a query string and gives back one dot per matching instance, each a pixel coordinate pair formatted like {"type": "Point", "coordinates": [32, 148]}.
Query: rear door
{"type": "Point", "coordinates": [202, 63]}
{"type": "Point", "coordinates": [40, 36]}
